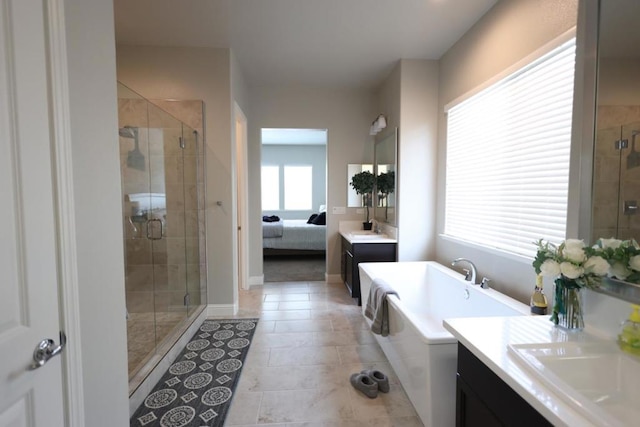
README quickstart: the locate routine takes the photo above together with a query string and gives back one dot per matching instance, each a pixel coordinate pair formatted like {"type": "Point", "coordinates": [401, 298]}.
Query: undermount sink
{"type": "Point", "coordinates": [596, 377]}
{"type": "Point", "coordinates": [366, 235]}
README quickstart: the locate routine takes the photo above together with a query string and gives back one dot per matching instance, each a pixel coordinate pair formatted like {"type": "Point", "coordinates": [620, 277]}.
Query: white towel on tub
{"type": "Point", "coordinates": [377, 307]}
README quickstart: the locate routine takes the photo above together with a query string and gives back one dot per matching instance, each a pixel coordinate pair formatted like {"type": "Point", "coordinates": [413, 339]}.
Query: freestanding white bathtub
{"type": "Point", "coordinates": [422, 353]}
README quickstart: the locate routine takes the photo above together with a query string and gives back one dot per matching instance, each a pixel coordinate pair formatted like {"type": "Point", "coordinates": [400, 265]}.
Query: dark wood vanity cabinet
{"type": "Point", "coordinates": [355, 253]}
{"type": "Point", "coordinates": [484, 400]}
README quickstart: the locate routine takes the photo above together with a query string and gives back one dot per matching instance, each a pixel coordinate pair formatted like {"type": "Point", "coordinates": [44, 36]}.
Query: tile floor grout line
{"type": "Point", "coordinates": [259, 407]}
{"type": "Point", "coordinates": [339, 357]}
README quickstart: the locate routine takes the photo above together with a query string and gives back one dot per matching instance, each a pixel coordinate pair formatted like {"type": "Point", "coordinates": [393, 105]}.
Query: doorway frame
{"type": "Point", "coordinates": [324, 129]}
{"type": "Point", "coordinates": [65, 222]}
{"type": "Point", "coordinates": [242, 196]}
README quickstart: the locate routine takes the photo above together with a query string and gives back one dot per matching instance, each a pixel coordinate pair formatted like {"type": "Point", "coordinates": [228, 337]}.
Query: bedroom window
{"type": "Point", "coordinates": [270, 188]}
{"type": "Point", "coordinates": [507, 166]}
{"type": "Point", "coordinates": [298, 188]}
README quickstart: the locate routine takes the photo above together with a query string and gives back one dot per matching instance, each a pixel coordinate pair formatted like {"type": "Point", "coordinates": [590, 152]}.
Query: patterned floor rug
{"type": "Point", "coordinates": [198, 387]}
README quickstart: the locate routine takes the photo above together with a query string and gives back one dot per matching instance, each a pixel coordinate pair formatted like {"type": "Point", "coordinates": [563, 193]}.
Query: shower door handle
{"type": "Point", "coordinates": [150, 229]}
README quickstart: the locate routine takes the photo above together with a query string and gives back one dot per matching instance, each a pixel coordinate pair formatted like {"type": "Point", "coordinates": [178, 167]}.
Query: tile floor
{"type": "Point", "coordinates": [311, 337]}
{"type": "Point", "coordinates": [144, 332]}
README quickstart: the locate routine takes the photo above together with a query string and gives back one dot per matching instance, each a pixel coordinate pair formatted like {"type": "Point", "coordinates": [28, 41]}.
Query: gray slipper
{"type": "Point", "coordinates": [365, 384]}
{"type": "Point", "coordinates": [378, 377]}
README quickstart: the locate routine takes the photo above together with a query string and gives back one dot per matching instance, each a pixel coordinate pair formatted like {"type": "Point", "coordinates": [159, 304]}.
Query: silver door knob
{"type": "Point", "coordinates": [46, 349]}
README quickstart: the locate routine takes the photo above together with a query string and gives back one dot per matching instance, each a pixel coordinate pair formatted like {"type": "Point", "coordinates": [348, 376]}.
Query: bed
{"type": "Point", "coordinates": [294, 234]}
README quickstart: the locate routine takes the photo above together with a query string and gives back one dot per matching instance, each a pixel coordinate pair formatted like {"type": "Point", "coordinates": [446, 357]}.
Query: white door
{"type": "Point", "coordinates": [28, 273]}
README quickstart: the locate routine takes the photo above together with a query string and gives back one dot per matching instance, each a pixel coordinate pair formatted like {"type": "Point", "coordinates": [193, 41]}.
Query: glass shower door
{"type": "Point", "coordinates": [606, 182]}
{"type": "Point", "coordinates": [616, 189]}
{"type": "Point", "coordinates": [193, 210]}
{"type": "Point", "coordinates": [139, 206]}
{"type": "Point", "coordinates": [165, 223]}
{"type": "Point", "coordinates": [163, 204]}
{"type": "Point", "coordinates": [629, 198]}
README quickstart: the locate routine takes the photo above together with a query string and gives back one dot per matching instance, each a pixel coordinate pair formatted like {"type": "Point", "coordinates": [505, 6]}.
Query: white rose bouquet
{"type": "Point", "coordinates": [623, 256]}
{"type": "Point", "coordinates": [572, 260]}
{"type": "Point", "coordinates": [574, 266]}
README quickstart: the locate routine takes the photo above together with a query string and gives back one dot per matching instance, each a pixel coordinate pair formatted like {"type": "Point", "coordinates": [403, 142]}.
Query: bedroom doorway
{"type": "Point", "coordinates": [294, 189]}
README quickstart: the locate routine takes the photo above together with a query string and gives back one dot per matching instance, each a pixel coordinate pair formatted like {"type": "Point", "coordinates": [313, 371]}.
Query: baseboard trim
{"type": "Point", "coordinates": [256, 280]}
{"type": "Point", "coordinates": [333, 278]}
{"type": "Point", "coordinates": [215, 310]}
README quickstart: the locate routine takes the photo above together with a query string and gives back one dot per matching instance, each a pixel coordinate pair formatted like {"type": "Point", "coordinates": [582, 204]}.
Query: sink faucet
{"type": "Point", "coordinates": [469, 275]}
{"type": "Point", "coordinates": [377, 228]}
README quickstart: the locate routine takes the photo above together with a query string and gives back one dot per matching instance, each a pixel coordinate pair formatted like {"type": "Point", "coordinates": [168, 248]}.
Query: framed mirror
{"type": "Point", "coordinates": [385, 162]}
{"type": "Point", "coordinates": [616, 174]}
{"type": "Point", "coordinates": [355, 200]}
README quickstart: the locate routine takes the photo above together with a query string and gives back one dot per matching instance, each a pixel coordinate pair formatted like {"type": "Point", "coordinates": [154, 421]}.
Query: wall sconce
{"type": "Point", "coordinates": [378, 124]}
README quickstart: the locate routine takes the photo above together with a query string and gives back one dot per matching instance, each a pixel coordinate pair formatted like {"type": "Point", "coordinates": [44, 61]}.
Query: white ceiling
{"type": "Point", "coordinates": [294, 136]}
{"type": "Point", "coordinates": [322, 43]}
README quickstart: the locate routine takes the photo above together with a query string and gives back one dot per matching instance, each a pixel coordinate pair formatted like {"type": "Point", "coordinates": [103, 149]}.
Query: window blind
{"type": "Point", "coordinates": [507, 160]}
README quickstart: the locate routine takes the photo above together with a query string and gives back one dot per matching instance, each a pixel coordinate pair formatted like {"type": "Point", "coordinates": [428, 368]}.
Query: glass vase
{"type": "Point", "coordinates": [567, 310]}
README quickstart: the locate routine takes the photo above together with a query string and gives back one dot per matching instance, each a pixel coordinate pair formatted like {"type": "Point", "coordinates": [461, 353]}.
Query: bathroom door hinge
{"type": "Point", "coordinates": [187, 299]}
{"type": "Point", "coordinates": [622, 144]}
{"type": "Point", "coordinates": [181, 140]}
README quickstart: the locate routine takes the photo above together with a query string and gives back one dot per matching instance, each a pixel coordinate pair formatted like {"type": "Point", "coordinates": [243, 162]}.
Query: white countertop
{"type": "Point", "coordinates": [367, 238]}
{"type": "Point", "coordinates": [488, 339]}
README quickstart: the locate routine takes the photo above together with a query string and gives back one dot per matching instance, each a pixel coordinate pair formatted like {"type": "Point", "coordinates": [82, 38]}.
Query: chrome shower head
{"type": "Point", "coordinates": [130, 132]}
{"type": "Point", "coordinates": [135, 158]}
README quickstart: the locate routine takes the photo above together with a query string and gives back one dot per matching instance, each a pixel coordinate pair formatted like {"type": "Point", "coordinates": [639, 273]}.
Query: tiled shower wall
{"type": "Point", "coordinates": [616, 173]}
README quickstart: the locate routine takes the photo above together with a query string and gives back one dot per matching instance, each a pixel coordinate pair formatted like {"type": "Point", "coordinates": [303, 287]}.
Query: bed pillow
{"type": "Point", "coordinates": [312, 218]}
{"type": "Point", "coordinates": [321, 219]}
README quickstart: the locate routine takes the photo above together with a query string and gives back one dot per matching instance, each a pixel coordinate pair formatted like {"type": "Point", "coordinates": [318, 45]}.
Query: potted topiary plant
{"type": "Point", "coordinates": [385, 184]}
{"type": "Point", "coordinates": [363, 183]}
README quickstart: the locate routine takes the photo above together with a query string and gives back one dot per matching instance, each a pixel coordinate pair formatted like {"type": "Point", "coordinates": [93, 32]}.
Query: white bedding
{"type": "Point", "coordinates": [272, 229]}
{"type": "Point", "coordinates": [297, 234]}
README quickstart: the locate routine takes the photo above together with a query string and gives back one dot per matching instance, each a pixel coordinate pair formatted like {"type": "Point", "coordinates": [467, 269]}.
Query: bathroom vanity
{"type": "Point", "coordinates": [360, 246]}
{"type": "Point", "coordinates": [515, 370]}
{"type": "Point", "coordinates": [483, 399]}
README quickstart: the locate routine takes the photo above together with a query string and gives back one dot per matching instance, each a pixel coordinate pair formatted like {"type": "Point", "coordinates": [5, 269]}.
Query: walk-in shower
{"type": "Point", "coordinates": [616, 199]}
{"type": "Point", "coordinates": [162, 177]}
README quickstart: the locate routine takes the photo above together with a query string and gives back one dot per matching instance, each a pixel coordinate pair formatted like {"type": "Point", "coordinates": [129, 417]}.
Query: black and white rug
{"type": "Point", "coordinates": [198, 387]}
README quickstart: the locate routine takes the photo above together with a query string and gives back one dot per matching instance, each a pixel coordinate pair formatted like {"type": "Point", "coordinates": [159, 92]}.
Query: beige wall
{"type": "Point", "coordinates": [417, 154]}
{"type": "Point", "coordinates": [618, 81]}
{"type": "Point", "coordinates": [509, 32]}
{"type": "Point", "coordinates": [389, 97]}
{"type": "Point", "coordinates": [100, 261]}
{"type": "Point", "coordinates": [198, 73]}
{"type": "Point", "coordinates": [409, 98]}
{"type": "Point", "coordinates": [346, 114]}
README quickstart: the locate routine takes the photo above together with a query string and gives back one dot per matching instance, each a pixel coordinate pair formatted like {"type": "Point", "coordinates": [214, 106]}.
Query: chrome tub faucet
{"type": "Point", "coordinates": [470, 275]}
